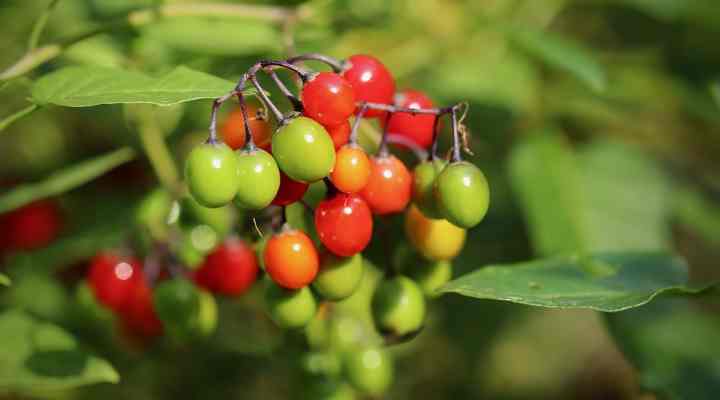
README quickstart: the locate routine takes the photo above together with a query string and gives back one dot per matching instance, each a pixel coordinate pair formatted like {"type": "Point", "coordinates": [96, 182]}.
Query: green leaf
{"type": "Point", "coordinates": [39, 357]}
{"type": "Point", "coordinates": [606, 198]}
{"type": "Point", "coordinates": [10, 119]}
{"type": "Point", "coordinates": [65, 179]}
{"type": "Point", "coordinates": [94, 85]}
{"type": "Point", "coordinates": [606, 282]}
{"type": "Point", "coordinates": [562, 53]}
{"type": "Point", "coordinates": [215, 36]}
{"type": "Point", "coordinates": [673, 345]}
{"type": "Point", "coordinates": [4, 280]}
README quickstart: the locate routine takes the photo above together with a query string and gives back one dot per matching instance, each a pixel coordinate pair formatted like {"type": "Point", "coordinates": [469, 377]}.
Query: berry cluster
{"type": "Point", "coordinates": [255, 170]}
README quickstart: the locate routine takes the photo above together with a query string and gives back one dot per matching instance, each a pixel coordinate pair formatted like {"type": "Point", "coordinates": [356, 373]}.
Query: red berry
{"type": "Point", "coordinates": [30, 227]}
{"type": "Point", "coordinates": [290, 191]}
{"type": "Point", "coordinates": [340, 134]}
{"type": "Point", "coordinates": [138, 316]}
{"type": "Point", "coordinates": [113, 278]}
{"type": "Point", "coordinates": [291, 259]}
{"type": "Point", "coordinates": [230, 269]}
{"type": "Point", "coordinates": [389, 187]}
{"type": "Point", "coordinates": [371, 81]}
{"type": "Point", "coordinates": [418, 128]}
{"type": "Point", "coordinates": [328, 98]}
{"type": "Point", "coordinates": [344, 223]}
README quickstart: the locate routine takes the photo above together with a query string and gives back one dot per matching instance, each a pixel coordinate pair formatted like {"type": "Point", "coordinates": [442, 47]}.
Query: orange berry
{"type": "Point", "coordinates": [291, 259]}
{"type": "Point", "coordinates": [389, 187]}
{"type": "Point", "coordinates": [352, 169]}
{"type": "Point", "coordinates": [233, 128]}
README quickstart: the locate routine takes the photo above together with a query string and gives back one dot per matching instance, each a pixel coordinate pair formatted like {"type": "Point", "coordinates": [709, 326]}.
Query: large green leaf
{"type": "Point", "coordinates": [216, 36]}
{"type": "Point", "coordinates": [562, 53]}
{"type": "Point", "coordinates": [603, 282]}
{"type": "Point", "coordinates": [65, 179]}
{"type": "Point", "coordinates": [38, 357]}
{"type": "Point", "coordinates": [674, 345]}
{"type": "Point", "coordinates": [87, 86]}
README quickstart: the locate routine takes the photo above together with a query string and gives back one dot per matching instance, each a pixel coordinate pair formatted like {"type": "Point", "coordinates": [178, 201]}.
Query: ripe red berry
{"type": "Point", "coordinates": [340, 134]}
{"type": "Point", "coordinates": [291, 259]}
{"type": "Point", "coordinates": [113, 278]}
{"type": "Point", "coordinates": [138, 316]}
{"type": "Point", "coordinates": [389, 187]}
{"type": "Point", "coordinates": [371, 81]}
{"type": "Point", "coordinates": [328, 98]}
{"type": "Point", "coordinates": [233, 128]}
{"type": "Point", "coordinates": [290, 191]}
{"type": "Point", "coordinates": [30, 227]}
{"type": "Point", "coordinates": [418, 128]}
{"type": "Point", "coordinates": [344, 224]}
{"type": "Point", "coordinates": [230, 269]}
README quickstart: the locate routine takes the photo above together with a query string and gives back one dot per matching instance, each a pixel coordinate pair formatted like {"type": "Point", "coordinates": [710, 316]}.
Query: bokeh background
{"type": "Point", "coordinates": [607, 100]}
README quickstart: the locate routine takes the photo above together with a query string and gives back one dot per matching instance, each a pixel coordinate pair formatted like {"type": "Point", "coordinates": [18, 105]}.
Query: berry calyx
{"type": "Point", "coordinates": [418, 128]}
{"type": "Point", "coordinates": [328, 98]}
{"type": "Point", "coordinates": [434, 239]}
{"type": "Point", "coordinates": [211, 172]}
{"type": "Point", "coordinates": [31, 226]}
{"type": "Point", "coordinates": [463, 194]}
{"type": "Point", "coordinates": [352, 169]}
{"type": "Point", "coordinates": [230, 269]}
{"type": "Point", "coordinates": [291, 259]}
{"type": "Point", "coordinates": [259, 178]}
{"type": "Point", "coordinates": [389, 186]}
{"type": "Point", "coordinates": [338, 277]}
{"type": "Point", "coordinates": [303, 150]}
{"type": "Point", "coordinates": [288, 308]}
{"type": "Point", "coordinates": [398, 306]}
{"type": "Point", "coordinates": [344, 224]}
{"type": "Point", "coordinates": [424, 177]}
{"type": "Point", "coordinates": [371, 81]}
{"type": "Point", "coordinates": [369, 370]}
{"type": "Point", "coordinates": [340, 134]}
{"type": "Point", "coordinates": [233, 128]}
{"type": "Point", "coordinates": [113, 278]}
{"type": "Point", "coordinates": [290, 191]}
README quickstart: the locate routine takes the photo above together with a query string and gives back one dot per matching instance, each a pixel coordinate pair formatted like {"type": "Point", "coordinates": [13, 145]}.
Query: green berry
{"type": "Point", "coordinates": [424, 177]}
{"type": "Point", "coordinates": [289, 309]}
{"type": "Point", "coordinates": [318, 363]}
{"type": "Point", "coordinates": [211, 173]}
{"type": "Point", "coordinates": [259, 179]}
{"type": "Point", "coordinates": [431, 275]}
{"type": "Point", "coordinates": [463, 194]}
{"type": "Point", "coordinates": [327, 389]}
{"type": "Point", "coordinates": [177, 303]}
{"type": "Point", "coordinates": [369, 370]}
{"type": "Point", "coordinates": [338, 277]}
{"type": "Point", "coordinates": [304, 150]}
{"type": "Point", "coordinates": [398, 306]}
{"type": "Point", "coordinates": [206, 320]}
{"type": "Point", "coordinates": [220, 219]}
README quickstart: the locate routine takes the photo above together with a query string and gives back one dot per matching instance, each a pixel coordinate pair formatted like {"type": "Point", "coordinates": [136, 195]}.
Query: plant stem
{"type": "Point", "coordinates": [10, 119]}
{"type": "Point", "coordinates": [153, 142]}
{"type": "Point", "coordinates": [40, 24]}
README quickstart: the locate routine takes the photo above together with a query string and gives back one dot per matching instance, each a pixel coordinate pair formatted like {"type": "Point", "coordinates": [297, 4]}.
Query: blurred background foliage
{"type": "Point", "coordinates": [594, 120]}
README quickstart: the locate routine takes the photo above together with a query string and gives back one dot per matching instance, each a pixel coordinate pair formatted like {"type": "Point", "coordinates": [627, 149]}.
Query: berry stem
{"type": "Point", "coordinates": [266, 100]}
{"type": "Point", "coordinates": [383, 151]}
{"type": "Point", "coordinates": [334, 63]}
{"type": "Point", "coordinates": [414, 111]}
{"type": "Point", "coordinates": [457, 145]}
{"type": "Point", "coordinates": [213, 115]}
{"type": "Point", "coordinates": [249, 142]}
{"type": "Point", "coordinates": [296, 103]}
{"type": "Point", "coordinates": [436, 135]}
{"type": "Point", "coordinates": [356, 123]}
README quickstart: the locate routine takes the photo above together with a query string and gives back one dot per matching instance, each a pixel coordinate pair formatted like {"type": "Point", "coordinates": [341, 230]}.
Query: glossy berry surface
{"type": "Point", "coordinates": [463, 194]}
{"type": "Point", "coordinates": [259, 178]}
{"type": "Point", "coordinates": [369, 370]}
{"type": "Point", "coordinates": [230, 269]}
{"type": "Point", "coordinates": [30, 227]}
{"type": "Point", "coordinates": [304, 150]}
{"type": "Point", "coordinates": [290, 191]}
{"type": "Point", "coordinates": [291, 259]}
{"type": "Point", "coordinates": [211, 173]}
{"type": "Point", "coordinates": [352, 169]}
{"type": "Point", "coordinates": [371, 81]}
{"type": "Point", "coordinates": [113, 278]}
{"type": "Point", "coordinates": [340, 134]}
{"type": "Point", "coordinates": [138, 316]}
{"type": "Point", "coordinates": [398, 306]}
{"type": "Point", "coordinates": [434, 239]}
{"type": "Point", "coordinates": [289, 308]}
{"type": "Point", "coordinates": [418, 128]}
{"type": "Point", "coordinates": [328, 98]}
{"type": "Point", "coordinates": [344, 224]}
{"type": "Point", "coordinates": [424, 177]}
{"type": "Point", "coordinates": [233, 129]}
{"type": "Point", "coordinates": [389, 186]}
{"type": "Point", "coordinates": [338, 277]}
